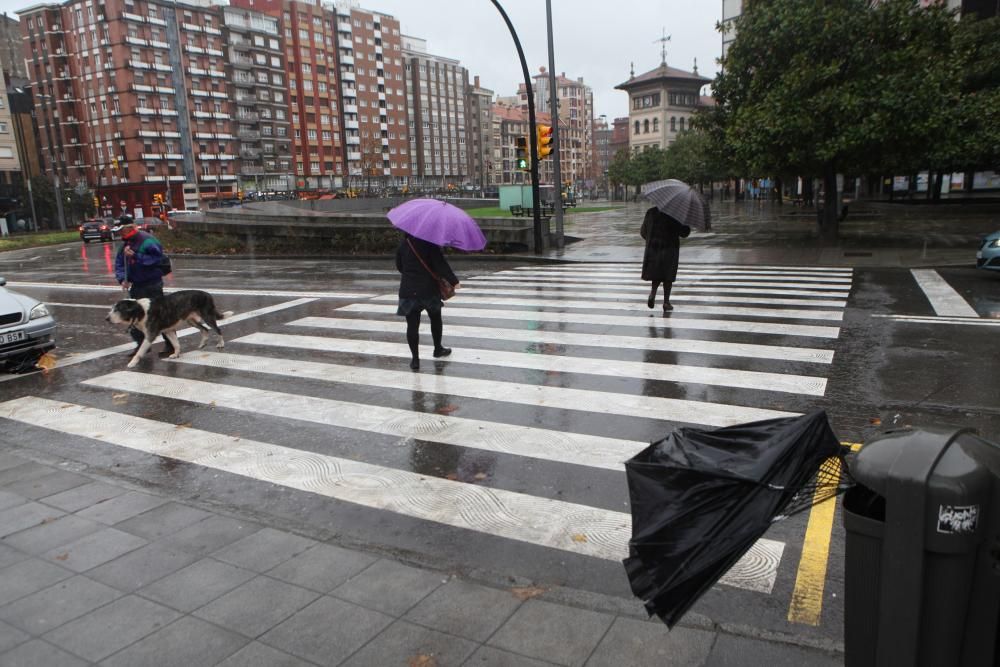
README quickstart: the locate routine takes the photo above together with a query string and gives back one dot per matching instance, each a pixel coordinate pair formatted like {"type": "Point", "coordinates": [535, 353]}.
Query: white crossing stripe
{"type": "Point", "coordinates": [650, 407]}
{"type": "Point", "coordinates": [689, 266]}
{"type": "Point", "coordinates": [681, 282]}
{"type": "Point", "coordinates": [930, 319]}
{"type": "Point", "coordinates": [641, 310]}
{"type": "Point", "coordinates": [539, 443]}
{"type": "Point", "coordinates": [723, 377]}
{"type": "Point", "coordinates": [632, 293]}
{"type": "Point", "coordinates": [557, 524]}
{"type": "Point", "coordinates": [540, 336]}
{"type": "Point", "coordinates": [79, 358]}
{"type": "Point", "coordinates": [841, 282]}
{"type": "Point", "coordinates": [645, 323]}
{"type": "Point", "coordinates": [588, 283]}
{"type": "Point", "coordinates": [942, 296]}
{"type": "Point", "coordinates": [214, 291]}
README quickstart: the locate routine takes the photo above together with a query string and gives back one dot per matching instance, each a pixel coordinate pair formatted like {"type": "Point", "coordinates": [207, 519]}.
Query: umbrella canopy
{"type": "Point", "coordinates": [439, 223]}
{"type": "Point", "coordinates": [680, 201]}
{"type": "Point", "coordinates": [701, 498]}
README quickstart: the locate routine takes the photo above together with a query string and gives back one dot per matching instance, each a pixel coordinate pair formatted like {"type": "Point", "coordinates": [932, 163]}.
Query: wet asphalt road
{"type": "Point", "coordinates": [884, 373]}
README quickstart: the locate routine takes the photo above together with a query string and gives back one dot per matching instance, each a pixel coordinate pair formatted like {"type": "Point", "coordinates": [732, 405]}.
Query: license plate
{"type": "Point", "coordinates": [12, 337]}
{"type": "Point", "coordinates": [979, 255]}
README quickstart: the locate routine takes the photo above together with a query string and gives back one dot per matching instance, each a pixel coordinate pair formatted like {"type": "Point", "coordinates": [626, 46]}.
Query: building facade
{"type": "Point", "coordinates": [509, 123]}
{"type": "Point", "coordinates": [479, 120]}
{"type": "Point", "coordinates": [255, 57]}
{"type": "Point", "coordinates": [661, 105]}
{"type": "Point", "coordinates": [602, 154]}
{"type": "Point", "coordinates": [132, 100]}
{"type": "Point", "coordinates": [436, 116]}
{"type": "Point", "coordinates": [11, 52]}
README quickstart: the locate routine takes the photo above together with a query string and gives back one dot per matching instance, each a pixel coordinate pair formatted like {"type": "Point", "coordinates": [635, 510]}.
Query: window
{"type": "Point", "coordinates": [682, 123]}
{"type": "Point", "coordinates": [656, 125]}
{"type": "Point", "coordinates": [673, 123]}
{"type": "Point", "coordinates": [636, 127]}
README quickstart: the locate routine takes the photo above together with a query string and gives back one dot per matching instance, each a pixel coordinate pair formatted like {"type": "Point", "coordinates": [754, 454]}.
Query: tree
{"type": "Point", "coordinates": [44, 197]}
{"type": "Point", "coordinates": [691, 158]}
{"type": "Point", "coordinates": [371, 161]}
{"type": "Point", "coordinates": [840, 86]}
{"type": "Point", "coordinates": [620, 167]}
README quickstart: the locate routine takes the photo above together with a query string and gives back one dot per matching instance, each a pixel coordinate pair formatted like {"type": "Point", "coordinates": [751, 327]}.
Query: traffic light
{"type": "Point", "coordinates": [97, 203]}
{"type": "Point", "coordinates": [544, 134]}
{"type": "Point", "coordinates": [522, 160]}
{"type": "Point", "coordinates": [114, 162]}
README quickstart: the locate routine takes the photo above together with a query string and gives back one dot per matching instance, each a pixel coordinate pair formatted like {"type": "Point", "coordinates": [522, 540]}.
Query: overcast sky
{"type": "Point", "coordinates": [593, 39]}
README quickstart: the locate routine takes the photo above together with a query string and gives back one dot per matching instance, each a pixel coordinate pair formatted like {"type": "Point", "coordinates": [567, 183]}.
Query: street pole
{"type": "Point", "coordinates": [532, 134]}
{"type": "Point", "coordinates": [554, 109]}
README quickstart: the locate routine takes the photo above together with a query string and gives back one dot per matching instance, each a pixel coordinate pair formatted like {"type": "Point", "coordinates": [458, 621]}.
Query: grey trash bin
{"type": "Point", "coordinates": [922, 570]}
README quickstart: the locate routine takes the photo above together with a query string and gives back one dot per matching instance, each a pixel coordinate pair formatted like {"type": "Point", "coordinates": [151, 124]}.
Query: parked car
{"type": "Point", "coordinates": [95, 230]}
{"type": "Point", "coordinates": [27, 329]}
{"type": "Point", "coordinates": [988, 256]}
{"type": "Point", "coordinates": [150, 224]}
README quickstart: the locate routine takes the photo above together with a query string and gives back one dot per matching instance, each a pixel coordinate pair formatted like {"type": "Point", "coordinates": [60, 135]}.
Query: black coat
{"type": "Point", "coordinates": [415, 282]}
{"type": "Point", "coordinates": [663, 236]}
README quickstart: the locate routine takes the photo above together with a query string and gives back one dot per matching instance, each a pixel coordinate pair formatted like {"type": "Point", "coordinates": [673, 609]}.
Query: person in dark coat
{"type": "Point", "coordinates": [137, 268]}
{"type": "Point", "coordinates": [663, 236]}
{"type": "Point", "coordinates": [418, 290]}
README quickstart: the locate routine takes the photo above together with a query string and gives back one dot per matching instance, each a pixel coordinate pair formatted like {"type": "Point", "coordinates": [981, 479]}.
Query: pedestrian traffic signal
{"type": "Point", "coordinates": [97, 203]}
{"type": "Point", "coordinates": [522, 160]}
{"type": "Point", "coordinates": [544, 134]}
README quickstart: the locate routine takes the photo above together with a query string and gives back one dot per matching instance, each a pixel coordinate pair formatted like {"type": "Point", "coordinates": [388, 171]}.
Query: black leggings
{"type": "Point", "coordinates": [666, 289]}
{"type": "Point", "coordinates": [413, 330]}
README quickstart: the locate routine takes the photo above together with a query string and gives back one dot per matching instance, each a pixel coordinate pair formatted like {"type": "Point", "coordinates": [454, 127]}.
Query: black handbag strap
{"type": "Point", "coordinates": [433, 275]}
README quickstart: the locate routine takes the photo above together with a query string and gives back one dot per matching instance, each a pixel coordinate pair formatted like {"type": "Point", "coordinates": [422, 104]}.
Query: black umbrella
{"type": "Point", "coordinates": [680, 201]}
{"type": "Point", "coordinates": [701, 498]}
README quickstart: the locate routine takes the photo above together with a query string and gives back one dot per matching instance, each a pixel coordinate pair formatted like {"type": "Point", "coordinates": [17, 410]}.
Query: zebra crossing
{"type": "Point", "coordinates": [558, 367]}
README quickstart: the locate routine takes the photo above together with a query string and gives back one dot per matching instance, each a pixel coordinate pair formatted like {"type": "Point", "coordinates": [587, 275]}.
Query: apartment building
{"type": "Point", "coordinates": [374, 91]}
{"type": "Point", "coordinates": [662, 102]}
{"type": "Point", "coordinates": [11, 56]}
{"type": "Point", "coordinates": [255, 57]}
{"type": "Point", "coordinates": [576, 123]}
{"type": "Point", "coordinates": [436, 117]}
{"type": "Point", "coordinates": [479, 121]}
{"type": "Point", "coordinates": [602, 152]}
{"type": "Point", "coordinates": [10, 165]}
{"type": "Point", "coordinates": [132, 100]}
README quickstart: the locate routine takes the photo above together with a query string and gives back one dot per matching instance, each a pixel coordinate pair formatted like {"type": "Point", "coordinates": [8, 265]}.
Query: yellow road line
{"type": "Point", "coordinates": [810, 581]}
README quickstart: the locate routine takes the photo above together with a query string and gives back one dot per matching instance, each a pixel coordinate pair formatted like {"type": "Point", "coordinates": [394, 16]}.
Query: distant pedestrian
{"type": "Point", "coordinates": [659, 263]}
{"type": "Point", "coordinates": [420, 263]}
{"type": "Point", "coordinates": [137, 268]}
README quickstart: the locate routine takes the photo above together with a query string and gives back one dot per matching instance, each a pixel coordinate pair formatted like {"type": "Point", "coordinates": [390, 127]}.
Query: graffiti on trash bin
{"type": "Point", "coordinates": [957, 518]}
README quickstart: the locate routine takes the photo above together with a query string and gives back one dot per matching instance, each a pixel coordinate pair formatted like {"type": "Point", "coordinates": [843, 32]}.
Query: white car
{"type": "Point", "coordinates": [26, 328]}
{"type": "Point", "coordinates": [181, 214]}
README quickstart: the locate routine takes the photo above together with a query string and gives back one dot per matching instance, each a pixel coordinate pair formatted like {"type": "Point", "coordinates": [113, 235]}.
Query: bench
{"type": "Point", "coordinates": [517, 211]}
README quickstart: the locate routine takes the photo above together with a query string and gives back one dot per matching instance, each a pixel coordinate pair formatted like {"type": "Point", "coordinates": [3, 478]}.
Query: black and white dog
{"type": "Point", "coordinates": [167, 313]}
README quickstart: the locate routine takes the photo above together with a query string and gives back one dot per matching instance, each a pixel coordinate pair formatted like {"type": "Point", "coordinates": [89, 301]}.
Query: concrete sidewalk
{"type": "Point", "coordinates": [94, 570]}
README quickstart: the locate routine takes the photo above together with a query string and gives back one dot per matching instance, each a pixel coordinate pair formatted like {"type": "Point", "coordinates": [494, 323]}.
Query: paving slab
{"type": "Point", "coordinates": [404, 643]}
{"type": "Point", "coordinates": [632, 643]}
{"type": "Point", "coordinates": [111, 628]}
{"type": "Point", "coordinates": [327, 631]}
{"type": "Point", "coordinates": [49, 534]}
{"type": "Point", "coordinates": [55, 482]}
{"type": "Point", "coordinates": [94, 549]}
{"type": "Point", "coordinates": [733, 651]}
{"type": "Point", "coordinates": [257, 606]}
{"type": "Point", "coordinates": [141, 567]}
{"type": "Point", "coordinates": [196, 585]}
{"type": "Point", "coordinates": [163, 520]}
{"type": "Point", "coordinates": [322, 567]}
{"type": "Point", "coordinates": [60, 603]}
{"type": "Point", "coordinates": [465, 610]}
{"type": "Point", "coordinates": [389, 587]}
{"type": "Point", "coordinates": [187, 642]}
{"type": "Point", "coordinates": [36, 653]}
{"type": "Point", "coordinates": [27, 577]}
{"type": "Point", "coordinates": [215, 532]}
{"type": "Point", "coordinates": [83, 496]}
{"type": "Point", "coordinates": [547, 631]}
{"type": "Point", "coordinates": [121, 508]}
{"type": "Point", "coordinates": [264, 550]}
{"type": "Point", "coordinates": [256, 654]}
{"type": "Point", "coordinates": [26, 515]}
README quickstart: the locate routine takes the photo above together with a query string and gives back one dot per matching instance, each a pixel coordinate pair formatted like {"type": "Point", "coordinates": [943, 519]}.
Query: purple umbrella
{"type": "Point", "coordinates": [439, 223]}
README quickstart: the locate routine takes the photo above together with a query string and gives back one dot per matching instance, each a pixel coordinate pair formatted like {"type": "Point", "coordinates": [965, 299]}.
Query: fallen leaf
{"type": "Point", "coordinates": [875, 421]}
{"type": "Point", "coordinates": [527, 592]}
{"type": "Point", "coordinates": [579, 537]}
{"type": "Point", "coordinates": [46, 362]}
{"type": "Point", "coordinates": [452, 476]}
{"type": "Point", "coordinates": [447, 410]}
{"type": "Point", "coordinates": [119, 399]}
{"type": "Point", "coordinates": [421, 661]}
{"type": "Point", "coordinates": [184, 425]}
{"type": "Point", "coordinates": [63, 556]}
{"type": "Point", "coordinates": [479, 475]}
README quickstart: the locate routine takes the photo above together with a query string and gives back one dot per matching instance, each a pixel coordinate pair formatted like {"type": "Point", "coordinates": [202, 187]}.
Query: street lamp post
{"type": "Point", "coordinates": [55, 175]}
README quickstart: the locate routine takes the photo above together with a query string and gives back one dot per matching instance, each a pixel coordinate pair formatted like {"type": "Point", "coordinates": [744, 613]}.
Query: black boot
{"type": "Point", "coordinates": [442, 351]}
{"type": "Point", "coordinates": [415, 364]}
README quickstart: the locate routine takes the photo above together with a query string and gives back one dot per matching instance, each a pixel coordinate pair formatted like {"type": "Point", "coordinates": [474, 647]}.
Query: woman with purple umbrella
{"type": "Point", "coordinates": [429, 225]}
{"type": "Point", "coordinates": [418, 290]}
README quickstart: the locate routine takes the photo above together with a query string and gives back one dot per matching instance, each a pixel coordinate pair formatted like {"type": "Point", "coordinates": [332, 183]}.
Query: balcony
{"type": "Point", "coordinates": [348, 76]}
{"type": "Point", "coordinates": [247, 153]}
{"type": "Point", "coordinates": [248, 170]}
{"type": "Point", "coordinates": [346, 60]}
{"type": "Point", "coordinates": [344, 26]}
{"type": "Point", "coordinates": [249, 135]}
{"type": "Point", "coordinates": [353, 141]}
{"type": "Point", "coordinates": [173, 156]}
{"type": "Point", "coordinates": [151, 156]}
{"type": "Point", "coordinates": [248, 117]}
{"type": "Point", "coordinates": [351, 124]}
{"type": "Point", "coordinates": [353, 156]}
